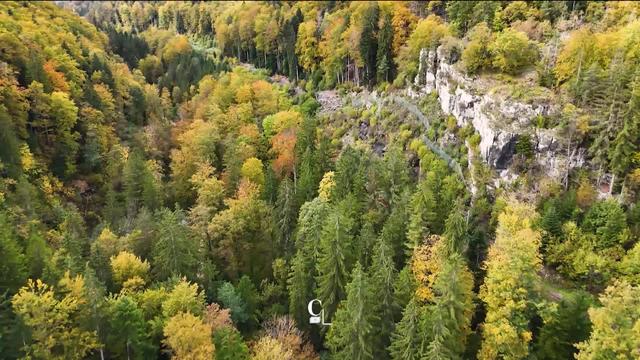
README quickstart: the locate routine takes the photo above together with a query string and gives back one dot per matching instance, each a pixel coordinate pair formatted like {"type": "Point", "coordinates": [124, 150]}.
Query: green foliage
{"type": "Point", "coordinates": [184, 297]}
{"type": "Point", "coordinates": [569, 326]}
{"type": "Point", "coordinates": [134, 155]}
{"type": "Point", "coordinates": [301, 285]}
{"type": "Point", "coordinates": [614, 325]}
{"type": "Point", "coordinates": [382, 276]}
{"type": "Point", "coordinates": [229, 345]}
{"type": "Point", "coordinates": [335, 256]}
{"type": "Point", "coordinates": [406, 343]}
{"type": "Point", "coordinates": [141, 188]}
{"type": "Point", "coordinates": [607, 220]}
{"type": "Point", "coordinates": [175, 252]}
{"type": "Point", "coordinates": [512, 51]}
{"type": "Point", "coordinates": [351, 330]}
{"type": "Point", "coordinates": [128, 330]}
{"type": "Point", "coordinates": [449, 319]}
{"type": "Point", "coordinates": [427, 35]}
{"type": "Point", "coordinates": [13, 268]}
{"type": "Point", "coordinates": [230, 298]}
{"type": "Point", "coordinates": [476, 54]}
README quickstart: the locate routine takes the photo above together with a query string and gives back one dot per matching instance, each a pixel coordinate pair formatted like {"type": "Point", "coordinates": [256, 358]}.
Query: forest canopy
{"type": "Point", "coordinates": [180, 180]}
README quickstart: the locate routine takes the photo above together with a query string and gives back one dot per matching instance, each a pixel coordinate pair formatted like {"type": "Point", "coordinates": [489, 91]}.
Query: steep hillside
{"type": "Point", "coordinates": [437, 180]}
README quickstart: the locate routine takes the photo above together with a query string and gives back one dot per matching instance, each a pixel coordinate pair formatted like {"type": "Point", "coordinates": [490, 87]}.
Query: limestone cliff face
{"type": "Point", "coordinates": [498, 119]}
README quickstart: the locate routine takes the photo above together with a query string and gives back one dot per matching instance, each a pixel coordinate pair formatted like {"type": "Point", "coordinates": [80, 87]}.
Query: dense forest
{"type": "Point", "coordinates": [181, 179]}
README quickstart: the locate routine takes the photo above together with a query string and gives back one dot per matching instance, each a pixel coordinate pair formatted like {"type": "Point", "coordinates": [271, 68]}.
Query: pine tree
{"type": "Point", "coordinates": [384, 57]}
{"type": "Point", "coordinates": [609, 110]}
{"type": "Point", "coordinates": [306, 186]}
{"type": "Point", "coordinates": [350, 175]}
{"type": "Point", "coordinates": [406, 343]}
{"type": "Point", "coordinates": [10, 150]}
{"type": "Point", "coordinates": [335, 256]}
{"type": "Point", "coordinates": [569, 326]}
{"type": "Point", "coordinates": [95, 303]}
{"type": "Point", "coordinates": [422, 213]}
{"type": "Point", "coordinates": [139, 185]}
{"type": "Point", "coordinates": [311, 218]}
{"type": "Point", "coordinates": [396, 175]}
{"type": "Point", "coordinates": [405, 287]}
{"type": "Point", "coordinates": [301, 284]}
{"type": "Point", "coordinates": [625, 142]}
{"type": "Point", "coordinates": [350, 336]}
{"type": "Point", "coordinates": [551, 222]}
{"type": "Point", "coordinates": [75, 246]}
{"type": "Point", "coordinates": [364, 242]}
{"type": "Point", "coordinates": [11, 329]}
{"type": "Point", "coordinates": [368, 41]}
{"type": "Point", "coordinates": [175, 251]}
{"type": "Point", "coordinates": [455, 231]}
{"type": "Point", "coordinates": [230, 298]}
{"type": "Point", "coordinates": [450, 315]}
{"type": "Point", "coordinates": [394, 232]}
{"type": "Point", "coordinates": [37, 253]}
{"type": "Point", "coordinates": [12, 267]}
{"type": "Point", "coordinates": [285, 209]}
{"type": "Point", "coordinates": [383, 276]}
{"type": "Point", "coordinates": [623, 149]}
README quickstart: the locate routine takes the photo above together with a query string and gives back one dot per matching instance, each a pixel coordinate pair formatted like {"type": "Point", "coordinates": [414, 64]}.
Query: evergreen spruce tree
{"type": "Point", "coordinates": [550, 221]}
{"type": "Point", "coordinates": [365, 241]}
{"type": "Point", "coordinates": [311, 219]}
{"type": "Point", "coordinates": [335, 256]}
{"type": "Point", "coordinates": [306, 186]}
{"type": "Point", "coordinates": [383, 276]}
{"type": "Point", "coordinates": [406, 341]}
{"type": "Point", "coordinates": [450, 315]}
{"type": "Point", "coordinates": [368, 41]}
{"type": "Point", "coordinates": [301, 284]}
{"type": "Point", "coordinates": [350, 336]}
{"type": "Point", "coordinates": [625, 142]}
{"type": "Point", "coordinates": [455, 231]}
{"type": "Point", "coordinates": [384, 56]}
{"type": "Point", "coordinates": [12, 267]}
{"type": "Point", "coordinates": [285, 209]}
{"type": "Point", "coordinates": [394, 232]}
{"type": "Point", "coordinates": [175, 252]}
{"type": "Point", "coordinates": [423, 208]}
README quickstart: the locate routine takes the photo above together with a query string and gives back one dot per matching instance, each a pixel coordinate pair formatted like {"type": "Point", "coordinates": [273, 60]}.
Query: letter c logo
{"type": "Point", "coordinates": [310, 307]}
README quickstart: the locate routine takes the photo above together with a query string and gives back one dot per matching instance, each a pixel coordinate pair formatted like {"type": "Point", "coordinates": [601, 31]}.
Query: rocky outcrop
{"type": "Point", "coordinates": [500, 120]}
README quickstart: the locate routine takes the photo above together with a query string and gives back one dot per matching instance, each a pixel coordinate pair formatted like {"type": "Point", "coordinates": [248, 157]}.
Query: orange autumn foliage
{"type": "Point", "coordinates": [283, 147]}
{"type": "Point", "coordinates": [56, 77]}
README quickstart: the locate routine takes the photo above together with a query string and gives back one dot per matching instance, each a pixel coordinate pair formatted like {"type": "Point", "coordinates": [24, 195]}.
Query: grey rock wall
{"type": "Point", "coordinates": [498, 120]}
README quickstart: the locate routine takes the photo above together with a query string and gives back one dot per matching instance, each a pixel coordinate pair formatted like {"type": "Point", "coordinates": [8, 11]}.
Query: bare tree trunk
{"type": "Point", "coordinates": [613, 180]}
